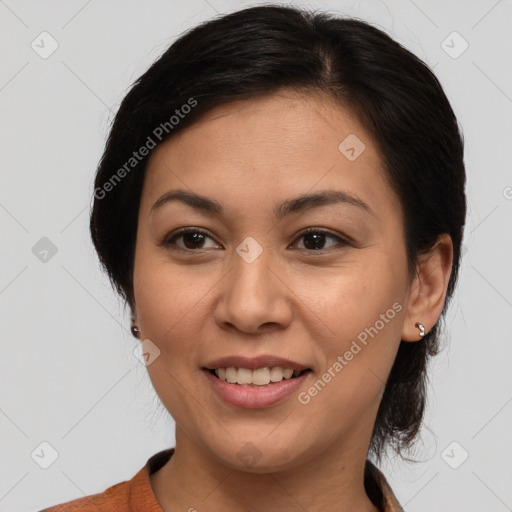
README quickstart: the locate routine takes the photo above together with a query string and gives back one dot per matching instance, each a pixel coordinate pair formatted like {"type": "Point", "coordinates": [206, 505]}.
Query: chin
{"type": "Point", "coordinates": [261, 455]}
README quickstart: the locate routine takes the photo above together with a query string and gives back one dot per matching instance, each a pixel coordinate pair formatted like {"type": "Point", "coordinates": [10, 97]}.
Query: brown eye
{"type": "Point", "coordinates": [196, 238]}
{"type": "Point", "coordinates": [192, 238]}
{"type": "Point", "coordinates": [314, 239]}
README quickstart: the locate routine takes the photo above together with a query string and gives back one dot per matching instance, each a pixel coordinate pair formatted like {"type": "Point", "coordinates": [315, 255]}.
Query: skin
{"type": "Point", "coordinates": [205, 301]}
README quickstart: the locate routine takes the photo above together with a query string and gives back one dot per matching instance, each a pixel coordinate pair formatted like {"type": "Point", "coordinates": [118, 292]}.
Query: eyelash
{"type": "Point", "coordinates": [169, 242]}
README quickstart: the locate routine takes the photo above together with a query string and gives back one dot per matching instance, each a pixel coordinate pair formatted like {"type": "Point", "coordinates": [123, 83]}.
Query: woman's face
{"type": "Point", "coordinates": [247, 281]}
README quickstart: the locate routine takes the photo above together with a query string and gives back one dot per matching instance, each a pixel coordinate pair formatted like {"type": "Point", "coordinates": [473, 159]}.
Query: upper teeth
{"type": "Point", "coordinates": [259, 377]}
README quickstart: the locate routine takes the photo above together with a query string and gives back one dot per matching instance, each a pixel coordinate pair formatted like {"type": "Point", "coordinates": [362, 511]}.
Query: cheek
{"type": "Point", "coordinates": [360, 313]}
{"type": "Point", "coordinates": [169, 300]}
{"type": "Point", "coordinates": [349, 301]}
{"type": "Point", "coordinates": [170, 314]}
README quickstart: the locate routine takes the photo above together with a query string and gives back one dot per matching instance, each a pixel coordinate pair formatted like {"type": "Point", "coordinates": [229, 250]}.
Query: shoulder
{"type": "Point", "coordinates": [134, 494]}
{"type": "Point", "coordinates": [116, 497]}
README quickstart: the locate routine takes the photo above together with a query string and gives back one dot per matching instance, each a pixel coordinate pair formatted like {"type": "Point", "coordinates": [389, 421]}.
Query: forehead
{"type": "Point", "coordinates": [285, 143]}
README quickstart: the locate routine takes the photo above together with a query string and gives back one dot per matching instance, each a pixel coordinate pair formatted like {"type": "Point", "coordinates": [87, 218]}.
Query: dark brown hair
{"type": "Point", "coordinates": [256, 51]}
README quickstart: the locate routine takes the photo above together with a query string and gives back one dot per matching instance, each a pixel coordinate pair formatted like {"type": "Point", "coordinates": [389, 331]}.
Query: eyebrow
{"type": "Point", "coordinates": [296, 204]}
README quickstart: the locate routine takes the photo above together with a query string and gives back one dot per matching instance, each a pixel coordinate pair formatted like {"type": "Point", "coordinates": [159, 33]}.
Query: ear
{"type": "Point", "coordinates": [130, 302]}
{"type": "Point", "coordinates": [133, 310]}
{"type": "Point", "coordinates": [428, 290]}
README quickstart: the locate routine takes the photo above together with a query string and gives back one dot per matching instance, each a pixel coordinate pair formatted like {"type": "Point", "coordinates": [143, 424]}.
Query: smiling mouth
{"type": "Point", "coordinates": [256, 378]}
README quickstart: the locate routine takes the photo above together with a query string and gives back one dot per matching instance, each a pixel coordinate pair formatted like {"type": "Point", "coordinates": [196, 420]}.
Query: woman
{"type": "Point", "coordinates": [281, 205]}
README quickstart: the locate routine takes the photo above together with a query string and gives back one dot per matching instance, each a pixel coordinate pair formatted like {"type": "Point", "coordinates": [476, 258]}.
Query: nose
{"type": "Point", "coordinates": [254, 296]}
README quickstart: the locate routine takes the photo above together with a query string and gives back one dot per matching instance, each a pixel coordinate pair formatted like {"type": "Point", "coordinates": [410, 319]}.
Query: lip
{"type": "Point", "coordinates": [252, 397]}
{"type": "Point", "coordinates": [253, 363]}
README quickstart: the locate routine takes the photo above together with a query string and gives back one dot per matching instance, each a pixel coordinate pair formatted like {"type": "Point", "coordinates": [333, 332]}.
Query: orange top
{"type": "Point", "coordinates": [136, 495]}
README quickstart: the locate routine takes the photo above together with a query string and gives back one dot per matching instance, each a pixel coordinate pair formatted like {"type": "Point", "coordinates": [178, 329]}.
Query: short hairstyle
{"type": "Point", "coordinates": [258, 51]}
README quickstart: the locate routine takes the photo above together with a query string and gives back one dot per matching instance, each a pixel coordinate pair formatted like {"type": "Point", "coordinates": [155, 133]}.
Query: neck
{"type": "Point", "coordinates": [195, 480]}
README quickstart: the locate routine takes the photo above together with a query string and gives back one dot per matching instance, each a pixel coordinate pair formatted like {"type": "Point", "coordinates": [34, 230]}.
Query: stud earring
{"type": "Point", "coordinates": [135, 331]}
{"type": "Point", "coordinates": [421, 328]}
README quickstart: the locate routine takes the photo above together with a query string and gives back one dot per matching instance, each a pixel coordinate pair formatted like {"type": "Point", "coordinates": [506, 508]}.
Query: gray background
{"type": "Point", "coordinates": [68, 373]}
